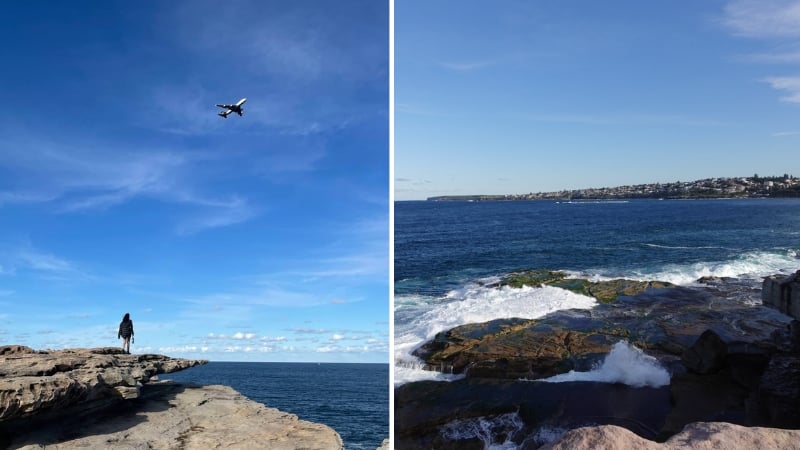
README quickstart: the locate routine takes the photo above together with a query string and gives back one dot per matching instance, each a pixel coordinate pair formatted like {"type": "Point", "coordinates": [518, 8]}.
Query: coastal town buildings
{"type": "Point", "coordinates": [741, 187]}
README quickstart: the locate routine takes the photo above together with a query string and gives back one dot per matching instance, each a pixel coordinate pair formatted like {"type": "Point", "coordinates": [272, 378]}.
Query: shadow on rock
{"type": "Point", "coordinates": [98, 418]}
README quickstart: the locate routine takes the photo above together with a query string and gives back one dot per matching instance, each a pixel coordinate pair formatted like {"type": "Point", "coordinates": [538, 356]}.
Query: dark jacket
{"type": "Point", "coordinates": [125, 329]}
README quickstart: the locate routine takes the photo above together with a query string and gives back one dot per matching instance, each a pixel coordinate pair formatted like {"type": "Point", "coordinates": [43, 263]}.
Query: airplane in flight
{"type": "Point", "coordinates": [235, 108]}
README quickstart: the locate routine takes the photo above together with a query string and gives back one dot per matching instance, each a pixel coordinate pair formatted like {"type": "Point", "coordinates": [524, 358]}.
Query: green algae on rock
{"type": "Point", "coordinates": [604, 291]}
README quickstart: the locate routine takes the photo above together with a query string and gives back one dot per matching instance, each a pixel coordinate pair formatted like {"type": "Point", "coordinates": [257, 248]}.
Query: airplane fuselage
{"type": "Point", "coordinates": [229, 109]}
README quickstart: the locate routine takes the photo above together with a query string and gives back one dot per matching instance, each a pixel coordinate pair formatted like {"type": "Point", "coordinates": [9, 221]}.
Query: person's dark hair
{"type": "Point", "coordinates": [127, 317]}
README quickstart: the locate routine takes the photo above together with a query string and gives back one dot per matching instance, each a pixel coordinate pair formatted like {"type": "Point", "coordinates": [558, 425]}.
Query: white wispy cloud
{"type": "Point", "coordinates": [43, 261]}
{"type": "Point", "coordinates": [626, 119]}
{"type": "Point", "coordinates": [475, 64]}
{"type": "Point", "coordinates": [419, 110]}
{"type": "Point", "coordinates": [243, 336]}
{"type": "Point", "coordinates": [216, 214]}
{"type": "Point", "coordinates": [23, 257]}
{"type": "Point", "coordinates": [786, 133]}
{"type": "Point", "coordinates": [236, 336]}
{"type": "Point", "coordinates": [776, 21]}
{"type": "Point", "coordinates": [85, 175]}
{"type": "Point", "coordinates": [763, 18]}
{"type": "Point", "coordinates": [281, 40]}
{"type": "Point", "coordinates": [310, 331]}
{"type": "Point", "coordinates": [25, 197]}
{"type": "Point", "coordinates": [792, 57]}
{"type": "Point", "coordinates": [175, 349]}
{"type": "Point", "coordinates": [82, 175]}
{"type": "Point", "coordinates": [791, 85]}
{"type": "Point", "coordinates": [351, 349]}
{"type": "Point", "coordinates": [468, 66]}
{"type": "Point", "coordinates": [348, 266]}
{"type": "Point", "coordinates": [241, 304]}
{"type": "Point", "coordinates": [184, 108]}
{"type": "Point", "coordinates": [296, 52]}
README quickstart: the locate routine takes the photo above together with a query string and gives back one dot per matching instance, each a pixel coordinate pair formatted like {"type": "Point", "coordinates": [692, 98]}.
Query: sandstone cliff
{"type": "Point", "coordinates": [173, 416]}
{"type": "Point", "coordinates": [42, 382]}
{"type": "Point", "coordinates": [104, 398]}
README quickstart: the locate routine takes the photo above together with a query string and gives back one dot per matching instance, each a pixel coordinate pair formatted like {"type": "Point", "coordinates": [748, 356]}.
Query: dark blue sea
{"type": "Point", "coordinates": [447, 252]}
{"type": "Point", "coordinates": [353, 399]}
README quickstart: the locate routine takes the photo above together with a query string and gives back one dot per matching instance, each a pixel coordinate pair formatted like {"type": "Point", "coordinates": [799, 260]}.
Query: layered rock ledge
{"type": "Point", "coordinates": [104, 398]}
{"type": "Point", "coordinates": [40, 382]}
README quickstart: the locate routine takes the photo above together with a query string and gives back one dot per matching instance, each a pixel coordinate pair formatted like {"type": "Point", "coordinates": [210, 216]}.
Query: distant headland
{"type": "Point", "coordinates": [742, 187]}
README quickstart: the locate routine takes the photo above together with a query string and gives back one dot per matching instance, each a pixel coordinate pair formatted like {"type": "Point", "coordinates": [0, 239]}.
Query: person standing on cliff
{"type": "Point", "coordinates": [126, 332]}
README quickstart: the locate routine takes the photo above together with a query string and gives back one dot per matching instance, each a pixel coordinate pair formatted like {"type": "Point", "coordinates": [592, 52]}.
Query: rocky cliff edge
{"type": "Point", "coordinates": [105, 398]}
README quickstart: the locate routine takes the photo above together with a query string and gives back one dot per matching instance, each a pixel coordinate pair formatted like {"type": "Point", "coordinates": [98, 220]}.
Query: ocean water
{"type": "Point", "coordinates": [446, 253]}
{"type": "Point", "coordinates": [353, 399]}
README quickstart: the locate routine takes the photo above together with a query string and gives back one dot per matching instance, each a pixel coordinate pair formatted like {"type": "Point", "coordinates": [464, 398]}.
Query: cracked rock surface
{"type": "Point", "coordinates": [33, 382]}
{"type": "Point", "coordinates": [105, 398]}
{"type": "Point", "coordinates": [177, 416]}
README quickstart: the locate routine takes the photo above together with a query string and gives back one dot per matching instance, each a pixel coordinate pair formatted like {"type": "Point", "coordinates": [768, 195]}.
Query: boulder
{"type": "Point", "coordinates": [782, 293]}
{"type": "Point", "coordinates": [695, 436]}
{"type": "Point", "coordinates": [707, 354]}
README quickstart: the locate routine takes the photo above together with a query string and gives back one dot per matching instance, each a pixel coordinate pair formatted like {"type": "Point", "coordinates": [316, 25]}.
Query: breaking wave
{"type": "Point", "coordinates": [750, 265]}
{"type": "Point", "coordinates": [624, 364]}
{"type": "Point", "coordinates": [472, 304]}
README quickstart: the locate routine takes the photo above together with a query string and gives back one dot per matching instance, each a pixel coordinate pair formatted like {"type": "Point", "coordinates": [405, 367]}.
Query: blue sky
{"type": "Point", "coordinates": [519, 96]}
{"type": "Point", "coordinates": [256, 238]}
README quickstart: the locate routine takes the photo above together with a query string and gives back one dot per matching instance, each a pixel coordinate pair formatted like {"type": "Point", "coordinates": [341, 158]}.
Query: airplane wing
{"type": "Point", "coordinates": [225, 106]}
{"type": "Point", "coordinates": [241, 102]}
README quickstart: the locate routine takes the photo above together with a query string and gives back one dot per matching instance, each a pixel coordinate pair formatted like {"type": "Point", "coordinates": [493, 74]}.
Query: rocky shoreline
{"type": "Point", "coordinates": [105, 398]}
{"type": "Point", "coordinates": [728, 360]}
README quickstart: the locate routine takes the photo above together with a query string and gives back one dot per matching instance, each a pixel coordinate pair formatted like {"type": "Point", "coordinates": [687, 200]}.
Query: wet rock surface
{"type": "Point", "coordinates": [730, 359]}
{"type": "Point", "coordinates": [424, 409]}
{"type": "Point", "coordinates": [663, 322]}
{"type": "Point", "coordinates": [604, 291]}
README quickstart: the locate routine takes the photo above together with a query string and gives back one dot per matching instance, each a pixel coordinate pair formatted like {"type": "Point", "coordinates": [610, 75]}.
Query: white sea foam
{"type": "Point", "coordinates": [487, 430]}
{"type": "Point", "coordinates": [408, 372]}
{"type": "Point", "coordinates": [751, 265]}
{"type": "Point", "coordinates": [545, 435]}
{"type": "Point", "coordinates": [497, 433]}
{"type": "Point", "coordinates": [680, 247]}
{"type": "Point", "coordinates": [475, 304]}
{"type": "Point", "coordinates": [624, 364]}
